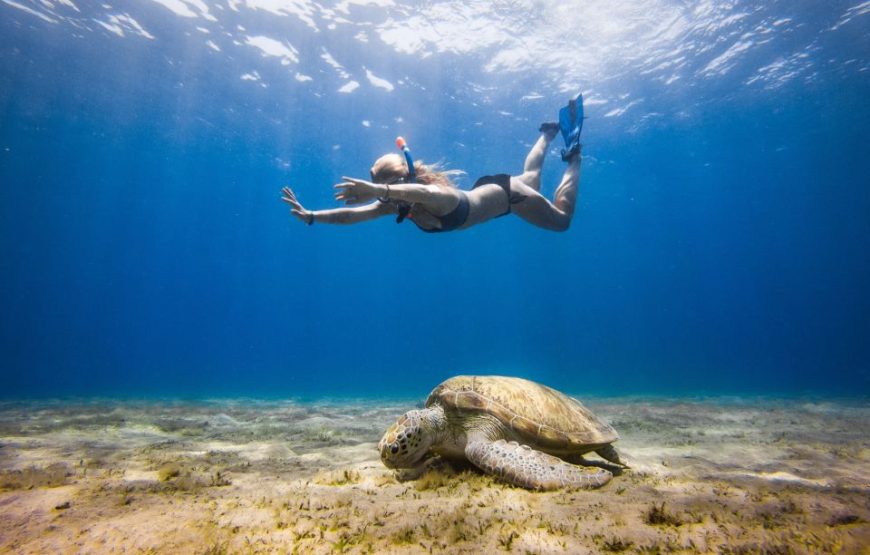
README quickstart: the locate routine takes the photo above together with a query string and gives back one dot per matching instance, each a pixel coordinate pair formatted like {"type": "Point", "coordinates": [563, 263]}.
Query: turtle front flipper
{"type": "Point", "coordinates": [608, 453]}
{"type": "Point", "coordinates": [523, 466]}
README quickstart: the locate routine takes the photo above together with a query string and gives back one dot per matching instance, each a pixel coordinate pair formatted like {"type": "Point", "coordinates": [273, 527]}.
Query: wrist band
{"type": "Point", "coordinates": [310, 218]}
{"type": "Point", "coordinates": [386, 198]}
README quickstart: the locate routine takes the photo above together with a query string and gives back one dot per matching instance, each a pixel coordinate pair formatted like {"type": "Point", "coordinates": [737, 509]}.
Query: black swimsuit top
{"type": "Point", "coordinates": [455, 218]}
{"type": "Point", "coordinates": [452, 220]}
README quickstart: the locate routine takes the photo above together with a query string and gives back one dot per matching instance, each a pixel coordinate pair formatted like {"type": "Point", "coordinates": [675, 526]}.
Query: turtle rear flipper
{"type": "Point", "coordinates": [523, 466]}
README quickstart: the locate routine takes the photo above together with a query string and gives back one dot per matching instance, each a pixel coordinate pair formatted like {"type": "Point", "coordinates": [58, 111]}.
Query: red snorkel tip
{"type": "Point", "coordinates": [400, 143]}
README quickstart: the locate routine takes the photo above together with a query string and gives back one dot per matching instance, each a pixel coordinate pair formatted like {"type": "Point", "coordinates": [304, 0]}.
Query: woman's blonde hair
{"type": "Point", "coordinates": [390, 168]}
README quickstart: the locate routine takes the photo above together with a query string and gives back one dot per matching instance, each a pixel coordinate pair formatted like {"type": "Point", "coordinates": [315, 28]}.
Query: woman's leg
{"type": "Point", "coordinates": [537, 210]}
{"type": "Point", "coordinates": [535, 159]}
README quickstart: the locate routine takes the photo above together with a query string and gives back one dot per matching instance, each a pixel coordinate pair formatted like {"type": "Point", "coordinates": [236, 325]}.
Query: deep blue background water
{"type": "Point", "coordinates": [721, 242]}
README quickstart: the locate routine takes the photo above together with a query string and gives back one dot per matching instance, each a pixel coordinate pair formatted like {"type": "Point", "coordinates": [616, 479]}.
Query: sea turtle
{"type": "Point", "coordinates": [521, 431]}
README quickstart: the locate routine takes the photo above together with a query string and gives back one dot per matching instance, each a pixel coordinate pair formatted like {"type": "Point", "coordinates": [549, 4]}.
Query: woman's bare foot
{"type": "Point", "coordinates": [549, 129]}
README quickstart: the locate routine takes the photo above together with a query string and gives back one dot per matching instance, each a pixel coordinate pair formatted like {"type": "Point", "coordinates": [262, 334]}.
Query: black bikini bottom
{"type": "Point", "coordinates": [503, 180]}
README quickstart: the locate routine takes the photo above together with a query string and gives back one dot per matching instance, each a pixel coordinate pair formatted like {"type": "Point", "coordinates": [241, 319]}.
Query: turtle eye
{"type": "Point", "coordinates": [394, 449]}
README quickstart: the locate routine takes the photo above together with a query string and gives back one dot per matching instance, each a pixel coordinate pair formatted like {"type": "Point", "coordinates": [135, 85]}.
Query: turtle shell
{"type": "Point", "coordinates": [536, 413]}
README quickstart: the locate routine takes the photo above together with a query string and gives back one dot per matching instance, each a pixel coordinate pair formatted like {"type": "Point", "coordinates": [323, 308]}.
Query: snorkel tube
{"type": "Point", "coordinates": [409, 160]}
{"type": "Point", "coordinates": [405, 209]}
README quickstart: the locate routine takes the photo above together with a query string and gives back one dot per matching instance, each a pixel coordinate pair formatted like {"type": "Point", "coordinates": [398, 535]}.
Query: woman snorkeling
{"type": "Point", "coordinates": [429, 198]}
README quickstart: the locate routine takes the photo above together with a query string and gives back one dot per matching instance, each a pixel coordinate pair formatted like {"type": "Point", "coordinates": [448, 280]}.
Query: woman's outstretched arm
{"type": "Point", "coordinates": [435, 198]}
{"type": "Point", "coordinates": [336, 215]}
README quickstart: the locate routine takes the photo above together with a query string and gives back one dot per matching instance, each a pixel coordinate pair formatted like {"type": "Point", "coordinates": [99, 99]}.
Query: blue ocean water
{"type": "Point", "coordinates": [721, 243]}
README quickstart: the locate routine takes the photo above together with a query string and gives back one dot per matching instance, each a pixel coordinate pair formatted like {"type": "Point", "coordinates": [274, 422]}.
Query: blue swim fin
{"type": "Point", "coordinates": [570, 124]}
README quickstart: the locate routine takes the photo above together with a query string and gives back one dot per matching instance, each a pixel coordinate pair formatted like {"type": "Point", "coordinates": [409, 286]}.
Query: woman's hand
{"type": "Point", "coordinates": [288, 196]}
{"type": "Point", "coordinates": [356, 191]}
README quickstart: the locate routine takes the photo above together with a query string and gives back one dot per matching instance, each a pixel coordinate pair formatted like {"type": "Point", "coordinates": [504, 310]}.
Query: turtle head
{"type": "Point", "coordinates": [407, 442]}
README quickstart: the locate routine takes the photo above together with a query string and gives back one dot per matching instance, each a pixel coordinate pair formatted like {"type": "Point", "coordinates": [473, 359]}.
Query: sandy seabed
{"type": "Point", "coordinates": [247, 476]}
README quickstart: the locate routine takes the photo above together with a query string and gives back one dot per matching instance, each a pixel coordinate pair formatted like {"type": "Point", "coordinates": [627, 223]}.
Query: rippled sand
{"type": "Point", "coordinates": [707, 476]}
